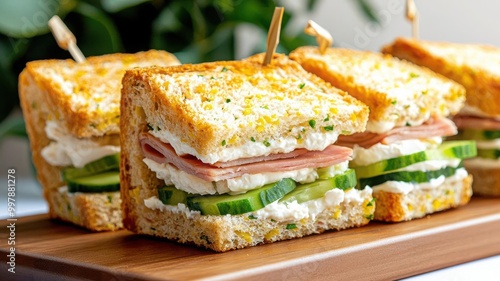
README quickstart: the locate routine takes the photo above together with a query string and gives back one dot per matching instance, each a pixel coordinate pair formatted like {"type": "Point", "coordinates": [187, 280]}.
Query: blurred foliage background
{"type": "Point", "coordinates": [194, 30]}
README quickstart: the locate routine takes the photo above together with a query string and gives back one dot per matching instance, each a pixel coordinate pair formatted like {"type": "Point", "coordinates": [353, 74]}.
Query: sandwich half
{"type": "Point", "coordinates": [72, 113]}
{"type": "Point", "coordinates": [227, 155]}
{"type": "Point", "coordinates": [477, 68]}
{"type": "Point", "coordinates": [400, 155]}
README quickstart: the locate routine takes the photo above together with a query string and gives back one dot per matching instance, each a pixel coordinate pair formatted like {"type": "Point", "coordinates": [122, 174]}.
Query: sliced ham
{"type": "Point", "coordinates": [478, 123]}
{"type": "Point", "coordinates": [160, 152]}
{"type": "Point", "coordinates": [436, 127]}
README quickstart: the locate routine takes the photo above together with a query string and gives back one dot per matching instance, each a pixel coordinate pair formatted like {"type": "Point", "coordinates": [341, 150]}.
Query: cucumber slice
{"type": "Point", "coordinates": [250, 201]}
{"type": "Point", "coordinates": [170, 195]}
{"type": "Point", "coordinates": [447, 150]}
{"type": "Point", "coordinates": [104, 182]}
{"type": "Point", "coordinates": [489, 153]}
{"type": "Point", "coordinates": [110, 162]}
{"type": "Point", "coordinates": [471, 134]}
{"type": "Point", "coordinates": [317, 189]}
{"type": "Point", "coordinates": [408, 176]}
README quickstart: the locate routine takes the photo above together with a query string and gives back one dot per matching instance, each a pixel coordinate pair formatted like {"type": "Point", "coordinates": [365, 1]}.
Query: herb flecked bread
{"type": "Point", "coordinates": [213, 107]}
{"type": "Point", "coordinates": [83, 100]}
{"type": "Point", "coordinates": [476, 67]}
{"type": "Point", "coordinates": [397, 92]}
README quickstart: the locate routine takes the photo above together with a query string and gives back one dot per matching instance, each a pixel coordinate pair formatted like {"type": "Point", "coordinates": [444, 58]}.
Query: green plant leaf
{"type": "Point", "coordinates": [367, 9]}
{"type": "Point", "coordinates": [13, 127]}
{"type": "Point", "coordinates": [8, 78]}
{"type": "Point", "coordinates": [114, 6]}
{"type": "Point", "coordinates": [26, 18]}
{"type": "Point", "coordinates": [97, 34]}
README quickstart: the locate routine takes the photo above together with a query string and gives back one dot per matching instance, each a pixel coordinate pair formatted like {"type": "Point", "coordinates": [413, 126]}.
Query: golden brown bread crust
{"type": "Point", "coordinates": [87, 102]}
{"type": "Point", "coordinates": [183, 112]}
{"type": "Point", "coordinates": [486, 181]}
{"type": "Point", "coordinates": [460, 62]}
{"type": "Point", "coordinates": [42, 100]}
{"type": "Point", "coordinates": [372, 77]}
{"type": "Point", "coordinates": [396, 207]}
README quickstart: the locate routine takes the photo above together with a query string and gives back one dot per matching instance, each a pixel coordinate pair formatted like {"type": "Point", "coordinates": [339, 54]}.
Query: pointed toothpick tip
{"type": "Point", "coordinates": [273, 35]}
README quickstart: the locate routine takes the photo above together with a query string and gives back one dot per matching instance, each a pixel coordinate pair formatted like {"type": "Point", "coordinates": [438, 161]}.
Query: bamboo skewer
{"type": "Point", "coordinates": [273, 35]}
{"type": "Point", "coordinates": [65, 39]}
{"type": "Point", "coordinates": [412, 16]}
{"type": "Point", "coordinates": [323, 37]}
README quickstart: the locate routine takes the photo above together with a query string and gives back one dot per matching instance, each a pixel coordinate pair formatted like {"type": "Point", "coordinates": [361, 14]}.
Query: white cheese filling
{"type": "Point", "coordinates": [378, 152]}
{"type": "Point", "coordinates": [482, 163]}
{"type": "Point", "coordinates": [67, 150]}
{"type": "Point", "coordinates": [311, 141]}
{"type": "Point", "coordinates": [407, 187]}
{"type": "Point", "coordinates": [488, 144]}
{"type": "Point", "coordinates": [284, 211]}
{"type": "Point", "coordinates": [192, 184]}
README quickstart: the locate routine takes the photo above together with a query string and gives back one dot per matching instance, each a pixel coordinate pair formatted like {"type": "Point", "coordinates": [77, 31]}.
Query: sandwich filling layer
{"type": "Point", "coordinates": [404, 166]}
{"type": "Point", "coordinates": [67, 150]}
{"type": "Point", "coordinates": [486, 133]}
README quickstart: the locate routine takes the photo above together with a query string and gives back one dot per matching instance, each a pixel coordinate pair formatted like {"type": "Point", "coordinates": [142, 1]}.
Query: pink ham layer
{"type": "Point", "coordinates": [435, 127]}
{"type": "Point", "coordinates": [161, 152]}
{"type": "Point", "coordinates": [477, 123]}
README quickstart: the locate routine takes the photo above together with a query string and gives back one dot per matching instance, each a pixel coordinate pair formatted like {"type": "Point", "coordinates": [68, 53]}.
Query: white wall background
{"type": "Point", "coordinates": [464, 21]}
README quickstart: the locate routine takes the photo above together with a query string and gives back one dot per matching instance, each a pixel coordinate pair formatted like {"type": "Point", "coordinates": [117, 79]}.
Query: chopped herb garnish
{"type": "Point", "coordinates": [265, 107]}
{"type": "Point", "coordinates": [370, 217]}
{"type": "Point", "coordinates": [346, 132]}
{"type": "Point", "coordinates": [158, 128]}
{"type": "Point", "coordinates": [425, 92]}
{"type": "Point", "coordinates": [204, 237]}
{"type": "Point", "coordinates": [327, 118]}
{"type": "Point", "coordinates": [200, 75]}
{"type": "Point", "coordinates": [228, 100]}
{"type": "Point", "coordinates": [299, 136]}
{"type": "Point", "coordinates": [312, 123]}
{"type": "Point", "coordinates": [110, 199]}
{"type": "Point", "coordinates": [212, 78]}
{"type": "Point", "coordinates": [328, 128]}
{"type": "Point", "coordinates": [266, 143]}
{"type": "Point", "coordinates": [394, 102]}
{"type": "Point", "coordinates": [371, 202]}
{"type": "Point", "coordinates": [413, 75]}
{"type": "Point", "coordinates": [223, 142]}
{"type": "Point", "coordinates": [407, 106]}
{"type": "Point", "coordinates": [291, 226]}
{"type": "Point", "coordinates": [302, 130]}
{"type": "Point", "coordinates": [252, 217]}
{"type": "Point", "coordinates": [150, 127]}
{"type": "Point", "coordinates": [252, 139]}
{"type": "Point", "coordinates": [224, 69]}
{"type": "Point", "coordinates": [408, 124]}
{"type": "Point", "coordinates": [302, 85]}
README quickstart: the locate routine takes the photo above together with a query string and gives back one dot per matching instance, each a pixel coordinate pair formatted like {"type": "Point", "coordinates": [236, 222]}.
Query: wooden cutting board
{"type": "Point", "coordinates": [46, 250]}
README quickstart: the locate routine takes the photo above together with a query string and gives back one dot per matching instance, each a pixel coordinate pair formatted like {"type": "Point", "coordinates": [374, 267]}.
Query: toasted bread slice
{"type": "Point", "coordinates": [83, 98]}
{"type": "Point", "coordinates": [397, 92]}
{"type": "Point", "coordinates": [239, 102]}
{"type": "Point", "coordinates": [200, 120]}
{"type": "Point", "coordinates": [476, 67]}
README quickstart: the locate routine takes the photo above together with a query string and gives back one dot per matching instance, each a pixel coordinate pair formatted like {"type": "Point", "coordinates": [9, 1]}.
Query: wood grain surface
{"type": "Point", "coordinates": [47, 250]}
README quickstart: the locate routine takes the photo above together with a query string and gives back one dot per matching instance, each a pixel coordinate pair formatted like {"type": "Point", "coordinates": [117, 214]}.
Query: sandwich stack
{"type": "Point", "coordinates": [477, 68]}
{"type": "Point", "coordinates": [401, 154]}
{"type": "Point", "coordinates": [72, 118]}
{"type": "Point", "coordinates": [228, 155]}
